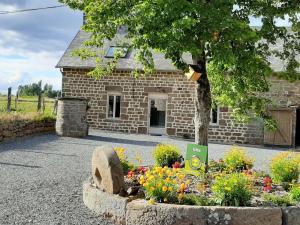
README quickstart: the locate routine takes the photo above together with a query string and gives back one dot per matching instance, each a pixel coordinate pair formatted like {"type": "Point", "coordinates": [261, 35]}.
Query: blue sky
{"type": "Point", "coordinates": [31, 43]}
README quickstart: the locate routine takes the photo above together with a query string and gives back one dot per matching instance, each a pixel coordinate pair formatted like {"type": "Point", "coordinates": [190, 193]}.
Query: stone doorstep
{"type": "Point", "coordinates": [139, 212]}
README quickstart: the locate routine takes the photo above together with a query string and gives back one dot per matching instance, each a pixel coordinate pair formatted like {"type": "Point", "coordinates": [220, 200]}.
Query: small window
{"type": "Point", "coordinates": [114, 106]}
{"type": "Point", "coordinates": [112, 50]}
{"type": "Point", "coordinates": [214, 116]}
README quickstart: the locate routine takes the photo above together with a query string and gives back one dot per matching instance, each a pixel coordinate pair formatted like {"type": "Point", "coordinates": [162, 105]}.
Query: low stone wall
{"type": "Point", "coordinates": [133, 212]}
{"type": "Point", "coordinates": [21, 128]}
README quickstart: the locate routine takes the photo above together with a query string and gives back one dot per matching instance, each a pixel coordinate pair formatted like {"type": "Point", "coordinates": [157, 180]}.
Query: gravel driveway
{"type": "Point", "coordinates": [41, 177]}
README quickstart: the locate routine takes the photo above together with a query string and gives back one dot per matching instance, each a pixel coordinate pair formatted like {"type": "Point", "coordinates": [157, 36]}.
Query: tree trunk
{"type": "Point", "coordinates": [202, 103]}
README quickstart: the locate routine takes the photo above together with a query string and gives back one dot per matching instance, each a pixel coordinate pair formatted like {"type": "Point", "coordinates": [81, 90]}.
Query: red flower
{"type": "Point", "coordinates": [268, 188]}
{"type": "Point", "coordinates": [142, 169]}
{"type": "Point", "coordinates": [176, 165]}
{"type": "Point", "coordinates": [130, 174]}
{"type": "Point", "coordinates": [267, 181]}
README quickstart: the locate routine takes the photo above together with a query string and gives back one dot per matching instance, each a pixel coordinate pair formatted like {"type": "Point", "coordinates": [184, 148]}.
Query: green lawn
{"type": "Point", "coordinates": [26, 108]}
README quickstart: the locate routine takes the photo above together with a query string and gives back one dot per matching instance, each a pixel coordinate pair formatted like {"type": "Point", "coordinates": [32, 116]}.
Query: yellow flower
{"type": "Point", "coordinates": [174, 181]}
{"type": "Point", "coordinates": [145, 184]}
{"type": "Point", "coordinates": [151, 201]}
{"type": "Point", "coordinates": [180, 196]}
{"type": "Point", "coordinates": [165, 200]}
{"type": "Point", "coordinates": [170, 188]}
{"type": "Point", "coordinates": [164, 188]}
{"type": "Point", "coordinates": [152, 188]}
{"type": "Point", "coordinates": [158, 185]}
{"type": "Point", "coordinates": [182, 187]}
{"type": "Point", "coordinates": [228, 188]}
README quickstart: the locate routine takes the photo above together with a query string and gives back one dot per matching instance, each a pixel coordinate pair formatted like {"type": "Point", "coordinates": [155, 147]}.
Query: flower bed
{"type": "Point", "coordinates": [223, 189]}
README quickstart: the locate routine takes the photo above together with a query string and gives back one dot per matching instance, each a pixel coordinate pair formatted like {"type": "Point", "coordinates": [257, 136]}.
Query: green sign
{"type": "Point", "coordinates": [196, 158]}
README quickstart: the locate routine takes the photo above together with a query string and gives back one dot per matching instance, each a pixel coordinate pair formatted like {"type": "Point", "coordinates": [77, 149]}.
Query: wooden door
{"type": "Point", "coordinates": [284, 134]}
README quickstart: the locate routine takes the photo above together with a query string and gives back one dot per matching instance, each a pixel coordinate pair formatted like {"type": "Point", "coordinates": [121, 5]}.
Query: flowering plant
{"type": "Point", "coordinates": [285, 167]}
{"type": "Point", "coordinates": [164, 184]}
{"type": "Point", "coordinates": [237, 160]}
{"type": "Point", "coordinates": [267, 181]}
{"type": "Point", "coordinates": [233, 189]}
{"type": "Point", "coordinates": [126, 165]}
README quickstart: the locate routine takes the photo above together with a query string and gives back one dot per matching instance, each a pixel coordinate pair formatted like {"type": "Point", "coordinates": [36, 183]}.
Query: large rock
{"type": "Point", "coordinates": [291, 216]}
{"type": "Point", "coordinates": [140, 211]}
{"type": "Point", "coordinates": [108, 205]}
{"type": "Point", "coordinates": [107, 170]}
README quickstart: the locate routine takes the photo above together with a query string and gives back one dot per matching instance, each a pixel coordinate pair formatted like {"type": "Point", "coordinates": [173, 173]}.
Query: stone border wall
{"type": "Point", "coordinates": [22, 128]}
{"type": "Point", "coordinates": [127, 211]}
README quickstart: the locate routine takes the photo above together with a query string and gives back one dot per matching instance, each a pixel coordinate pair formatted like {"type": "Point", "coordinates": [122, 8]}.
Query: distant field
{"type": "Point", "coordinates": [26, 106]}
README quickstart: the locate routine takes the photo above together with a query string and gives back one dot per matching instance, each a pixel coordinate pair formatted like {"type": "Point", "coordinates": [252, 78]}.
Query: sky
{"type": "Point", "coordinates": [31, 43]}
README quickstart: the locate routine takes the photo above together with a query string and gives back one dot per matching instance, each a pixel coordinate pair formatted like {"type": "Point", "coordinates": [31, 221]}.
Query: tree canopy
{"type": "Point", "coordinates": [237, 54]}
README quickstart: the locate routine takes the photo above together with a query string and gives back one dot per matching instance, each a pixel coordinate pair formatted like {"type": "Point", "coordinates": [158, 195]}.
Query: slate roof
{"type": "Point", "coordinates": [129, 63]}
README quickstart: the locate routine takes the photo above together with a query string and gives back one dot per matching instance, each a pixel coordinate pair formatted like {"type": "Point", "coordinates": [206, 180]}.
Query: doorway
{"type": "Point", "coordinates": [157, 113]}
{"type": "Point", "coordinates": [297, 136]}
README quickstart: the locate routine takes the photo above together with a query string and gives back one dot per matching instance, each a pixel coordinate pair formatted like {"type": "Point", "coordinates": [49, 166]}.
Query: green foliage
{"type": "Point", "coordinates": [285, 167]}
{"type": "Point", "coordinates": [295, 192]}
{"type": "Point", "coordinates": [218, 32]}
{"type": "Point", "coordinates": [166, 155]}
{"type": "Point", "coordinates": [126, 165]}
{"type": "Point", "coordinates": [233, 189]}
{"type": "Point", "coordinates": [35, 89]}
{"type": "Point", "coordinates": [198, 200]}
{"type": "Point", "coordinates": [279, 200]}
{"type": "Point", "coordinates": [236, 159]}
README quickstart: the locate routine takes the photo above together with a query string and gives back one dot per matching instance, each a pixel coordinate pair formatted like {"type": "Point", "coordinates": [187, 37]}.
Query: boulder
{"type": "Point", "coordinates": [107, 170]}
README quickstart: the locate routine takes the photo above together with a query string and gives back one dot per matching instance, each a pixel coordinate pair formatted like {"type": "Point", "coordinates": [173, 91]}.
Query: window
{"type": "Point", "coordinates": [112, 50]}
{"type": "Point", "coordinates": [114, 106]}
{"type": "Point", "coordinates": [214, 116]}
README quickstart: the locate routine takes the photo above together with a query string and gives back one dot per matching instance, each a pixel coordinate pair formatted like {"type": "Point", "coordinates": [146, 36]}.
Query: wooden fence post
{"type": "Point", "coordinates": [9, 100]}
{"type": "Point", "coordinates": [44, 106]}
{"type": "Point", "coordinates": [39, 105]}
{"type": "Point", "coordinates": [16, 100]}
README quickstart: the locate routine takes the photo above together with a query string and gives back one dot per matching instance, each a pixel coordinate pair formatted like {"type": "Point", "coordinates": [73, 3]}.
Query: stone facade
{"type": "Point", "coordinates": [22, 128]}
{"type": "Point", "coordinates": [134, 115]}
{"type": "Point", "coordinates": [71, 117]}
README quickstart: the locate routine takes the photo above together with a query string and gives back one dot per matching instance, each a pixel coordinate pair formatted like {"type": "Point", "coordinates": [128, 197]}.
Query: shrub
{"type": "Point", "coordinates": [285, 167]}
{"type": "Point", "coordinates": [164, 185]}
{"type": "Point", "coordinates": [233, 189]}
{"type": "Point", "coordinates": [237, 160]}
{"type": "Point", "coordinates": [279, 200]}
{"type": "Point", "coordinates": [199, 200]}
{"type": "Point", "coordinates": [295, 192]}
{"type": "Point", "coordinates": [166, 155]}
{"type": "Point", "coordinates": [126, 165]}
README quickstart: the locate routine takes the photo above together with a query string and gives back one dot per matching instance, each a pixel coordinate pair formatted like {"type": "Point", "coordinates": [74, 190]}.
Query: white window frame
{"type": "Point", "coordinates": [114, 94]}
{"type": "Point", "coordinates": [218, 117]}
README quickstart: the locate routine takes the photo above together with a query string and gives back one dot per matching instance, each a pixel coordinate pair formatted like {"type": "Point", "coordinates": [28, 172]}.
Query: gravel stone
{"type": "Point", "coordinates": [42, 176]}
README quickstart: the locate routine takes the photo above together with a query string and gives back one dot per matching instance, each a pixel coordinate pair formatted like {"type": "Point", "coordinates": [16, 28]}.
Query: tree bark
{"type": "Point", "coordinates": [202, 103]}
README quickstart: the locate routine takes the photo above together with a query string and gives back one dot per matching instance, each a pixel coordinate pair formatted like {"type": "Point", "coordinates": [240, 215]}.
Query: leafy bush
{"type": "Point", "coordinates": [166, 155]}
{"type": "Point", "coordinates": [126, 165]}
{"type": "Point", "coordinates": [279, 200]}
{"type": "Point", "coordinates": [164, 185]}
{"type": "Point", "coordinates": [295, 192]}
{"type": "Point", "coordinates": [285, 167]}
{"type": "Point", "coordinates": [237, 160]}
{"type": "Point", "coordinates": [199, 200]}
{"type": "Point", "coordinates": [233, 189]}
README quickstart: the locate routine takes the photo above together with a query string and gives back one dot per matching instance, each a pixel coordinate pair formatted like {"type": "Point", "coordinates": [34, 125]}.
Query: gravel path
{"type": "Point", "coordinates": [41, 177]}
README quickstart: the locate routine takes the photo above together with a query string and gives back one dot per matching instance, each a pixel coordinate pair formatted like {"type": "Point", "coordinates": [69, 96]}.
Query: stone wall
{"type": "Point", "coordinates": [71, 117]}
{"type": "Point", "coordinates": [180, 106]}
{"type": "Point", "coordinates": [21, 128]}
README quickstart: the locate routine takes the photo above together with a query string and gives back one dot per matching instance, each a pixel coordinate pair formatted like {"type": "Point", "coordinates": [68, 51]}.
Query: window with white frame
{"type": "Point", "coordinates": [214, 116]}
{"type": "Point", "coordinates": [113, 106]}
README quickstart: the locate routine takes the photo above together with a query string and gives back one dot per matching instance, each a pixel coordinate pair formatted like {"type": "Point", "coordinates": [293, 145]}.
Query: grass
{"type": "Point", "coordinates": [26, 109]}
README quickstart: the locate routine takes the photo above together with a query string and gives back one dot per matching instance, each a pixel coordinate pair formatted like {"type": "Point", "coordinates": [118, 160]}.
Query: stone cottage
{"type": "Point", "coordinates": [163, 102]}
